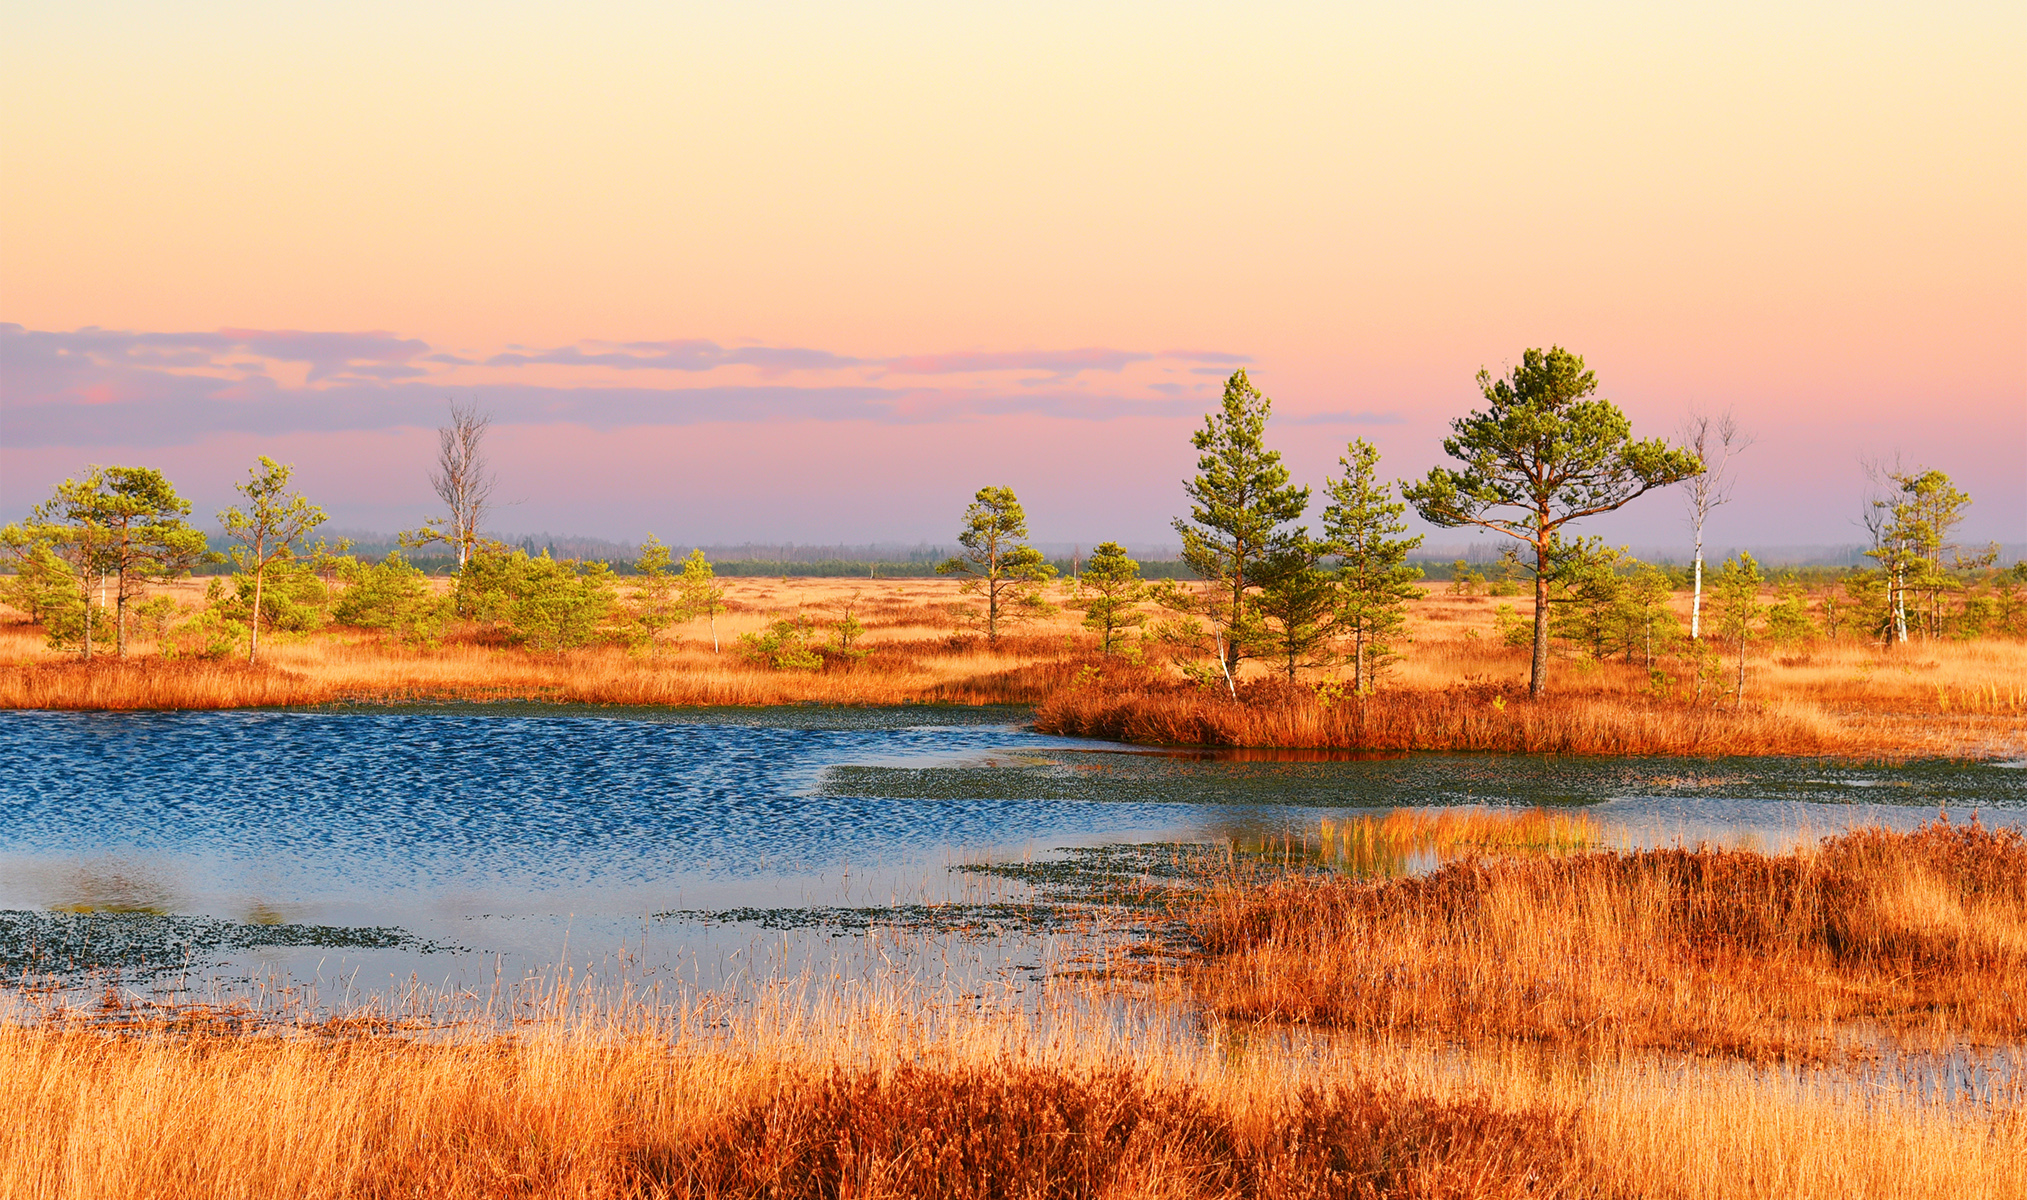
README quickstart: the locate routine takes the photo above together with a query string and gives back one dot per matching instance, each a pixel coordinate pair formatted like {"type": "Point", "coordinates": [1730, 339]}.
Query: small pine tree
{"type": "Point", "coordinates": [997, 562]}
{"type": "Point", "coordinates": [702, 595]}
{"type": "Point", "coordinates": [559, 605]}
{"type": "Point", "coordinates": [1361, 528]}
{"type": "Point", "coordinates": [1113, 580]}
{"type": "Point", "coordinates": [1299, 608]}
{"type": "Point", "coordinates": [1788, 621]}
{"type": "Point", "coordinates": [1647, 623]}
{"type": "Point", "coordinates": [392, 596]}
{"type": "Point", "coordinates": [655, 604]}
{"type": "Point", "coordinates": [1587, 593]}
{"type": "Point", "coordinates": [43, 587]}
{"type": "Point", "coordinates": [1739, 611]}
{"type": "Point", "coordinates": [786, 645]}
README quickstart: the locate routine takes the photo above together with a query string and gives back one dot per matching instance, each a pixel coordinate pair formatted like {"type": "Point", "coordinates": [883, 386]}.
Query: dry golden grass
{"type": "Point", "coordinates": [1456, 687]}
{"type": "Point", "coordinates": [866, 1103]}
{"type": "Point", "coordinates": [1458, 718]}
{"type": "Point", "coordinates": [1731, 952]}
{"type": "Point", "coordinates": [917, 653]}
{"type": "Point", "coordinates": [1569, 1025]}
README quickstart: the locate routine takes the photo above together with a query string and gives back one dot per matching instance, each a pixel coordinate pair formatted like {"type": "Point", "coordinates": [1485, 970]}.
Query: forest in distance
{"type": "Point", "coordinates": [1265, 632]}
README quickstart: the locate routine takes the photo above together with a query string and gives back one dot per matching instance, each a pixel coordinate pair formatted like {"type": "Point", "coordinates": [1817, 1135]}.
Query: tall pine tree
{"type": "Point", "coordinates": [1236, 538]}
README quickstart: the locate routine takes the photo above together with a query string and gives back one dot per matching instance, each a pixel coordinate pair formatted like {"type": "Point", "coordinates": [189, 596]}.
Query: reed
{"type": "Point", "coordinates": [1799, 956]}
{"type": "Point", "coordinates": [864, 1102]}
{"type": "Point", "coordinates": [1457, 718]}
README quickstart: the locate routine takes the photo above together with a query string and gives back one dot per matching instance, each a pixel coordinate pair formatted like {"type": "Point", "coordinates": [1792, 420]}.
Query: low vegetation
{"type": "Point", "coordinates": [1458, 686]}
{"type": "Point", "coordinates": [1538, 1017]}
{"type": "Point", "coordinates": [1282, 639]}
{"type": "Point", "coordinates": [1710, 952]}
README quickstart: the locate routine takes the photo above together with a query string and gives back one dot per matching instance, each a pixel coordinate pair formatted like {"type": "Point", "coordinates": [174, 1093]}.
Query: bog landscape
{"type": "Point", "coordinates": [1524, 696]}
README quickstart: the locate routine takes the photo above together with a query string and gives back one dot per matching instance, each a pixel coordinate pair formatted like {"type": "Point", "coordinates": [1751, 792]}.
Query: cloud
{"type": "Point", "coordinates": [1342, 418]}
{"type": "Point", "coordinates": [678, 356]}
{"type": "Point", "coordinates": [1208, 356]}
{"type": "Point", "coordinates": [710, 356]}
{"type": "Point", "coordinates": [1061, 363]}
{"type": "Point", "coordinates": [101, 387]}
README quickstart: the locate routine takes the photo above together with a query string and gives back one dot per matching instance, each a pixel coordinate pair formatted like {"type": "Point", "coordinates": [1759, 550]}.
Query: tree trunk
{"type": "Point", "coordinates": [120, 614]}
{"type": "Point", "coordinates": [1696, 599]}
{"type": "Point", "coordinates": [1899, 607]}
{"type": "Point", "coordinates": [1228, 654]}
{"type": "Point", "coordinates": [1537, 680]}
{"type": "Point", "coordinates": [253, 635]}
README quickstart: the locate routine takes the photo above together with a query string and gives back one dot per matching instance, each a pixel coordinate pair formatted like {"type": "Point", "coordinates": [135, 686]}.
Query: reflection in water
{"type": "Point", "coordinates": [112, 884]}
{"type": "Point", "coordinates": [514, 831]}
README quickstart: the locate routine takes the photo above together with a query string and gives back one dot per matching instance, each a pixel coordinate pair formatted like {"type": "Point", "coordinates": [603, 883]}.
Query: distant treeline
{"type": "Point", "coordinates": [889, 569]}
{"type": "Point", "coordinates": [620, 560]}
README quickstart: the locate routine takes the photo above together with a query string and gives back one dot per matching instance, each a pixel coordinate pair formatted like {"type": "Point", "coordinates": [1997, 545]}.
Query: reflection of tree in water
{"type": "Point", "coordinates": [115, 887]}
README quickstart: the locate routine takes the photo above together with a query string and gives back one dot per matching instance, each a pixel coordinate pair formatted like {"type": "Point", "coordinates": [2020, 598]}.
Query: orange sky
{"type": "Point", "coordinates": [1814, 214]}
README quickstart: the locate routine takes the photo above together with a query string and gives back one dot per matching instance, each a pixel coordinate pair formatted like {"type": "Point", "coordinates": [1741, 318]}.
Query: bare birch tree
{"type": "Point", "coordinates": [1714, 441]}
{"type": "Point", "coordinates": [463, 480]}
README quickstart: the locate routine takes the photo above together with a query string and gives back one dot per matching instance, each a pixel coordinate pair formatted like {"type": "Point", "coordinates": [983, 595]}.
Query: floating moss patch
{"type": "Point", "coordinates": [920, 918]}
{"type": "Point", "coordinates": [143, 944]}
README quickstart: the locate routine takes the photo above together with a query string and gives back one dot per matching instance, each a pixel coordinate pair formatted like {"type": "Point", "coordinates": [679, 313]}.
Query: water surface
{"type": "Point", "coordinates": [459, 839]}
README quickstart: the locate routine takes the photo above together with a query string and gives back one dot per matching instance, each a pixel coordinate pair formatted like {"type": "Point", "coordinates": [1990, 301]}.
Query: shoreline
{"type": "Point", "coordinates": [1445, 723]}
{"type": "Point", "coordinates": [1457, 687]}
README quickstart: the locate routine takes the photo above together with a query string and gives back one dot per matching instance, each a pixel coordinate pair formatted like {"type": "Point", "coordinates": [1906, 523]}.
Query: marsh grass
{"type": "Point", "coordinates": [1465, 718]}
{"type": "Point", "coordinates": [1806, 956]}
{"type": "Point", "coordinates": [1457, 688]}
{"type": "Point", "coordinates": [1552, 1021]}
{"type": "Point", "coordinates": [866, 1093]}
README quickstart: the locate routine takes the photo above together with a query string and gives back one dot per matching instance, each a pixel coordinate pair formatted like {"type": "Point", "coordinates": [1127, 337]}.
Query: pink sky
{"type": "Point", "coordinates": [781, 272]}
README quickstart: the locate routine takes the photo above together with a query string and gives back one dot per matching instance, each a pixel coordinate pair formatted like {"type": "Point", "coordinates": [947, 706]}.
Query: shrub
{"type": "Point", "coordinates": [394, 597]}
{"type": "Point", "coordinates": [292, 598]}
{"type": "Point", "coordinates": [786, 645]}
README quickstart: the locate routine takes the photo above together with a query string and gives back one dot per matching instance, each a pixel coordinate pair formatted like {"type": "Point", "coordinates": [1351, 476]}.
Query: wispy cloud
{"type": "Point", "coordinates": [677, 356]}
{"type": "Point", "coordinates": [1059, 363]}
{"type": "Point", "coordinates": [94, 386]}
{"type": "Point", "coordinates": [1343, 418]}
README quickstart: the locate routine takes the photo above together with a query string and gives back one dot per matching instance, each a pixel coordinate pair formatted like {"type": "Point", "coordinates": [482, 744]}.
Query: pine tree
{"type": "Point", "coordinates": [1739, 612]}
{"type": "Point", "coordinates": [997, 562]}
{"type": "Point", "coordinates": [127, 523]}
{"type": "Point", "coordinates": [655, 606]}
{"type": "Point", "coordinates": [702, 595]}
{"type": "Point", "coordinates": [273, 520]}
{"type": "Point", "coordinates": [1299, 609]}
{"type": "Point", "coordinates": [1543, 453]}
{"type": "Point", "coordinates": [1236, 538]}
{"type": "Point", "coordinates": [1361, 529]}
{"type": "Point", "coordinates": [1113, 580]}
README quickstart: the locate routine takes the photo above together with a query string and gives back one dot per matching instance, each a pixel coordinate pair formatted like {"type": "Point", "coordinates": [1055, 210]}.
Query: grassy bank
{"type": "Point", "coordinates": [1453, 719]}
{"type": "Point", "coordinates": [1459, 687]}
{"type": "Point", "coordinates": [1709, 952]}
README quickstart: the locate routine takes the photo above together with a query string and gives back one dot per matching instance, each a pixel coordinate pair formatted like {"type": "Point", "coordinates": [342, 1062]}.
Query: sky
{"type": "Point", "coordinates": [818, 272]}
